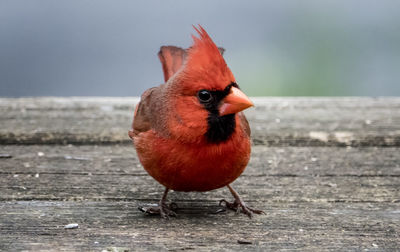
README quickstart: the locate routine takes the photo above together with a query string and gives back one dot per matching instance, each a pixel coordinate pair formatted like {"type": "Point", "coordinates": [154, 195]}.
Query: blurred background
{"type": "Point", "coordinates": [274, 48]}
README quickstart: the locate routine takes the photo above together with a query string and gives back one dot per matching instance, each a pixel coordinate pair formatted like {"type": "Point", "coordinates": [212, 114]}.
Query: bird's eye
{"type": "Point", "coordinates": [204, 95]}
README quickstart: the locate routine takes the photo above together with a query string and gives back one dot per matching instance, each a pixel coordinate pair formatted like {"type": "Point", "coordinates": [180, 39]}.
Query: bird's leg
{"type": "Point", "coordinates": [162, 209]}
{"type": "Point", "coordinates": [239, 204]}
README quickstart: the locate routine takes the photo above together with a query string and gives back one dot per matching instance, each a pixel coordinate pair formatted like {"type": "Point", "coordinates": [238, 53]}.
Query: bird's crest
{"type": "Point", "coordinates": [205, 63]}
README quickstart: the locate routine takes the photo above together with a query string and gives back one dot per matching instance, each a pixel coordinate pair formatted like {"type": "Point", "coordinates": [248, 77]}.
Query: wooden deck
{"type": "Point", "coordinates": [326, 171]}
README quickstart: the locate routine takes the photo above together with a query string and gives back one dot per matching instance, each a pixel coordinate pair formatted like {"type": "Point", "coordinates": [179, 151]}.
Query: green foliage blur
{"type": "Point", "coordinates": [326, 52]}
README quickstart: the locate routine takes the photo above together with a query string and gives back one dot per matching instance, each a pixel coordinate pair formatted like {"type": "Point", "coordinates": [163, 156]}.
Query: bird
{"type": "Point", "coordinates": [190, 133]}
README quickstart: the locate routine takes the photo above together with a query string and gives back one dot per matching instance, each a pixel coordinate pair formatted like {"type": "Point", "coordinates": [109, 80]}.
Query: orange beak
{"type": "Point", "coordinates": [234, 102]}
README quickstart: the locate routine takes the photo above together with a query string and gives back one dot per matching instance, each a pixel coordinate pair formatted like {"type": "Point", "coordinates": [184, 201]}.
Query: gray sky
{"type": "Point", "coordinates": [108, 48]}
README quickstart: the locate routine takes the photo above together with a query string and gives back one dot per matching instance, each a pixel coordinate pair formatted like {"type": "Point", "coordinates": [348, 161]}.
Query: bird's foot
{"type": "Point", "coordinates": [163, 210]}
{"type": "Point", "coordinates": [239, 205]}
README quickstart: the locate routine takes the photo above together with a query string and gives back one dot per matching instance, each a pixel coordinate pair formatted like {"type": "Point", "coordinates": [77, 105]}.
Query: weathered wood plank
{"type": "Point", "coordinates": [273, 161]}
{"type": "Point", "coordinates": [288, 174]}
{"type": "Point", "coordinates": [315, 198]}
{"type": "Point", "coordinates": [319, 226]}
{"type": "Point", "coordinates": [274, 121]}
{"type": "Point", "coordinates": [262, 190]}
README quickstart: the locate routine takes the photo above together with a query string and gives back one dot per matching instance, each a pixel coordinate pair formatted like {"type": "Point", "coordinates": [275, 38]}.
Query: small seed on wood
{"type": "Point", "coordinates": [71, 226]}
{"type": "Point", "coordinates": [244, 242]}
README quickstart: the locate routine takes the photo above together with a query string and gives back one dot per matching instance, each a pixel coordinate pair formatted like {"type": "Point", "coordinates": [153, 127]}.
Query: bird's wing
{"type": "Point", "coordinates": [244, 123]}
{"type": "Point", "coordinates": [172, 59]}
{"type": "Point", "coordinates": [143, 118]}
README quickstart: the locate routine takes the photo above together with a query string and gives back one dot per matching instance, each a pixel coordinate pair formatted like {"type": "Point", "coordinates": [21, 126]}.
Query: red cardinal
{"type": "Point", "coordinates": [190, 133]}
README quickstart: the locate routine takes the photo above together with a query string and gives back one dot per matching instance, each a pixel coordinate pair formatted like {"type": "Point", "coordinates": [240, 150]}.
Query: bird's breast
{"type": "Point", "coordinates": [199, 166]}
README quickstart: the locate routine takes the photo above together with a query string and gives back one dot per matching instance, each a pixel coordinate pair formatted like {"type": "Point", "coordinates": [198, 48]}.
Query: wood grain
{"type": "Point", "coordinates": [289, 174]}
{"type": "Point", "coordinates": [39, 225]}
{"type": "Point", "coordinates": [274, 121]}
{"type": "Point", "coordinates": [326, 171]}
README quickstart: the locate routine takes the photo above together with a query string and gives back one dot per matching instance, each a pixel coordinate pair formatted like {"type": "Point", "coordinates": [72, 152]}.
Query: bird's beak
{"type": "Point", "coordinates": [234, 102]}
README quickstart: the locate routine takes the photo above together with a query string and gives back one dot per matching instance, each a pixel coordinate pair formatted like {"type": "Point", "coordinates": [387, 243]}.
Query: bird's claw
{"type": "Point", "coordinates": [164, 210]}
{"type": "Point", "coordinates": [238, 206]}
{"type": "Point", "coordinates": [233, 206]}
